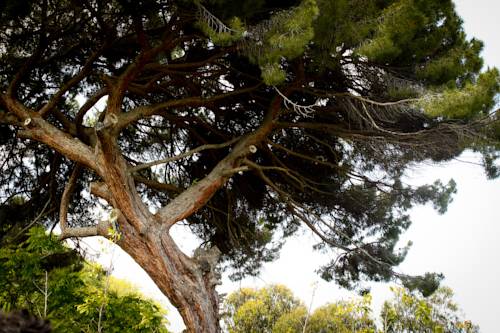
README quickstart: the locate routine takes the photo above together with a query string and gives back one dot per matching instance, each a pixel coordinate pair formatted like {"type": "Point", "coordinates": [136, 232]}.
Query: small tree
{"type": "Point", "coordinates": [343, 317]}
{"type": "Point", "coordinates": [241, 120]}
{"type": "Point", "coordinates": [73, 291]}
{"type": "Point", "coordinates": [258, 310]}
{"type": "Point", "coordinates": [410, 312]}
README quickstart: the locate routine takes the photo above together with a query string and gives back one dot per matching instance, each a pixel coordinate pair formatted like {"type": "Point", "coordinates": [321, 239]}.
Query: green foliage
{"type": "Point", "coordinates": [272, 74]}
{"type": "Point", "coordinates": [453, 63]}
{"type": "Point", "coordinates": [343, 317]}
{"type": "Point", "coordinates": [292, 321]}
{"type": "Point", "coordinates": [473, 100]}
{"type": "Point", "coordinates": [75, 289]}
{"type": "Point", "coordinates": [249, 310]}
{"type": "Point", "coordinates": [254, 311]}
{"type": "Point", "coordinates": [275, 309]}
{"type": "Point", "coordinates": [234, 32]}
{"type": "Point", "coordinates": [285, 35]}
{"type": "Point", "coordinates": [409, 312]}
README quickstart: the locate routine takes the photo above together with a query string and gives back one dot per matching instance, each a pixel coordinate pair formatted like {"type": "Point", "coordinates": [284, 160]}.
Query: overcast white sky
{"type": "Point", "coordinates": [464, 244]}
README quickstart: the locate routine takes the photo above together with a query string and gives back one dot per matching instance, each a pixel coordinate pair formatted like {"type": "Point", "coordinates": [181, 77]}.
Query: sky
{"type": "Point", "coordinates": [463, 244]}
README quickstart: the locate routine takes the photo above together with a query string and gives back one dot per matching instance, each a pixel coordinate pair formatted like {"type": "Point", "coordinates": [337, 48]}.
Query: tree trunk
{"type": "Point", "coordinates": [188, 283]}
{"type": "Point", "coordinates": [189, 286]}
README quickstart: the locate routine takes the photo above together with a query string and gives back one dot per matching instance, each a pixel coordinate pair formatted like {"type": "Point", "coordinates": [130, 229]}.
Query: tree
{"type": "Point", "coordinates": [410, 312]}
{"type": "Point", "coordinates": [241, 120]}
{"type": "Point", "coordinates": [343, 317]}
{"type": "Point", "coordinates": [45, 278]}
{"type": "Point", "coordinates": [261, 310]}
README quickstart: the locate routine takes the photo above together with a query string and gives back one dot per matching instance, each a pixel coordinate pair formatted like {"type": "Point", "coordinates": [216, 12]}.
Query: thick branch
{"type": "Point", "coordinates": [68, 146]}
{"type": "Point", "coordinates": [14, 107]}
{"type": "Point", "coordinates": [36, 128]}
{"type": "Point", "coordinates": [101, 229]}
{"type": "Point", "coordinates": [200, 193]}
{"type": "Point", "coordinates": [8, 119]}
{"type": "Point", "coordinates": [66, 198]}
{"type": "Point", "coordinates": [101, 190]}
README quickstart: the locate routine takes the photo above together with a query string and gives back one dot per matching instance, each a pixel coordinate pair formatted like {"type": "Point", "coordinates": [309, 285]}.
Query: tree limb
{"type": "Point", "coordinates": [66, 231]}
{"type": "Point", "coordinates": [183, 155]}
{"type": "Point", "coordinates": [146, 111]}
{"type": "Point", "coordinates": [197, 195]}
{"type": "Point", "coordinates": [72, 82]}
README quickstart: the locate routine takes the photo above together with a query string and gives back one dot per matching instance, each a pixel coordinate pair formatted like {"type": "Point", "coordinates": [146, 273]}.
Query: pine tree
{"type": "Point", "coordinates": [243, 120]}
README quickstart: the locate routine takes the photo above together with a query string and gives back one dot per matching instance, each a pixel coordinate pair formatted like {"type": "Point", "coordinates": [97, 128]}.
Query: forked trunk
{"type": "Point", "coordinates": [189, 283]}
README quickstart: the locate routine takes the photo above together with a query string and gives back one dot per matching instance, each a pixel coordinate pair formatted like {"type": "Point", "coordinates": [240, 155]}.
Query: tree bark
{"type": "Point", "coordinates": [189, 288]}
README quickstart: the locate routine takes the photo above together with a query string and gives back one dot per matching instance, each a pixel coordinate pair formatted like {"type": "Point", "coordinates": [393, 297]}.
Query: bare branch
{"type": "Point", "coordinates": [89, 104]}
{"type": "Point", "coordinates": [319, 93]}
{"type": "Point", "coordinates": [36, 219]}
{"type": "Point", "coordinates": [66, 198]}
{"type": "Point", "coordinates": [157, 185]}
{"type": "Point", "coordinates": [212, 21]}
{"type": "Point", "coordinates": [80, 232]}
{"type": "Point", "coordinates": [303, 110]}
{"type": "Point", "coordinates": [117, 90]}
{"type": "Point", "coordinates": [102, 227]}
{"type": "Point", "coordinates": [183, 155]}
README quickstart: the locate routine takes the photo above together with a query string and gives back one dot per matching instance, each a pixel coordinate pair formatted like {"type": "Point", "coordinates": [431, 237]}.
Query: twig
{"type": "Point", "coordinates": [106, 288]}
{"type": "Point", "coordinates": [213, 22]}
{"type": "Point", "coordinates": [303, 110]}
{"type": "Point", "coordinates": [32, 223]}
{"type": "Point", "coordinates": [45, 293]}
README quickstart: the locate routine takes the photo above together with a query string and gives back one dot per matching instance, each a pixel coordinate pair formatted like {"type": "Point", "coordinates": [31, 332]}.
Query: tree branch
{"type": "Point", "coordinates": [101, 190]}
{"type": "Point", "coordinates": [117, 92]}
{"type": "Point", "coordinates": [66, 231]}
{"type": "Point", "coordinates": [34, 57]}
{"type": "Point", "coordinates": [68, 146]}
{"type": "Point", "coordinates": [89, 104]}
{"type": "Point", "coordinates": [157, 185]}
{"type": "Point", "coordinates": [146, 111]}
{"type": "Point", "coordinates": [183, 155]}
{"type": "Point", "coordinates": [71, 82]}
{"type": "Point", "coordinates": [197, 195]}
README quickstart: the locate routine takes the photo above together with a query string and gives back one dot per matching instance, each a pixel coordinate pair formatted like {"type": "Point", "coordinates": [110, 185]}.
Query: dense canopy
{"type": "Point", "coordinates": [241, 119]}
